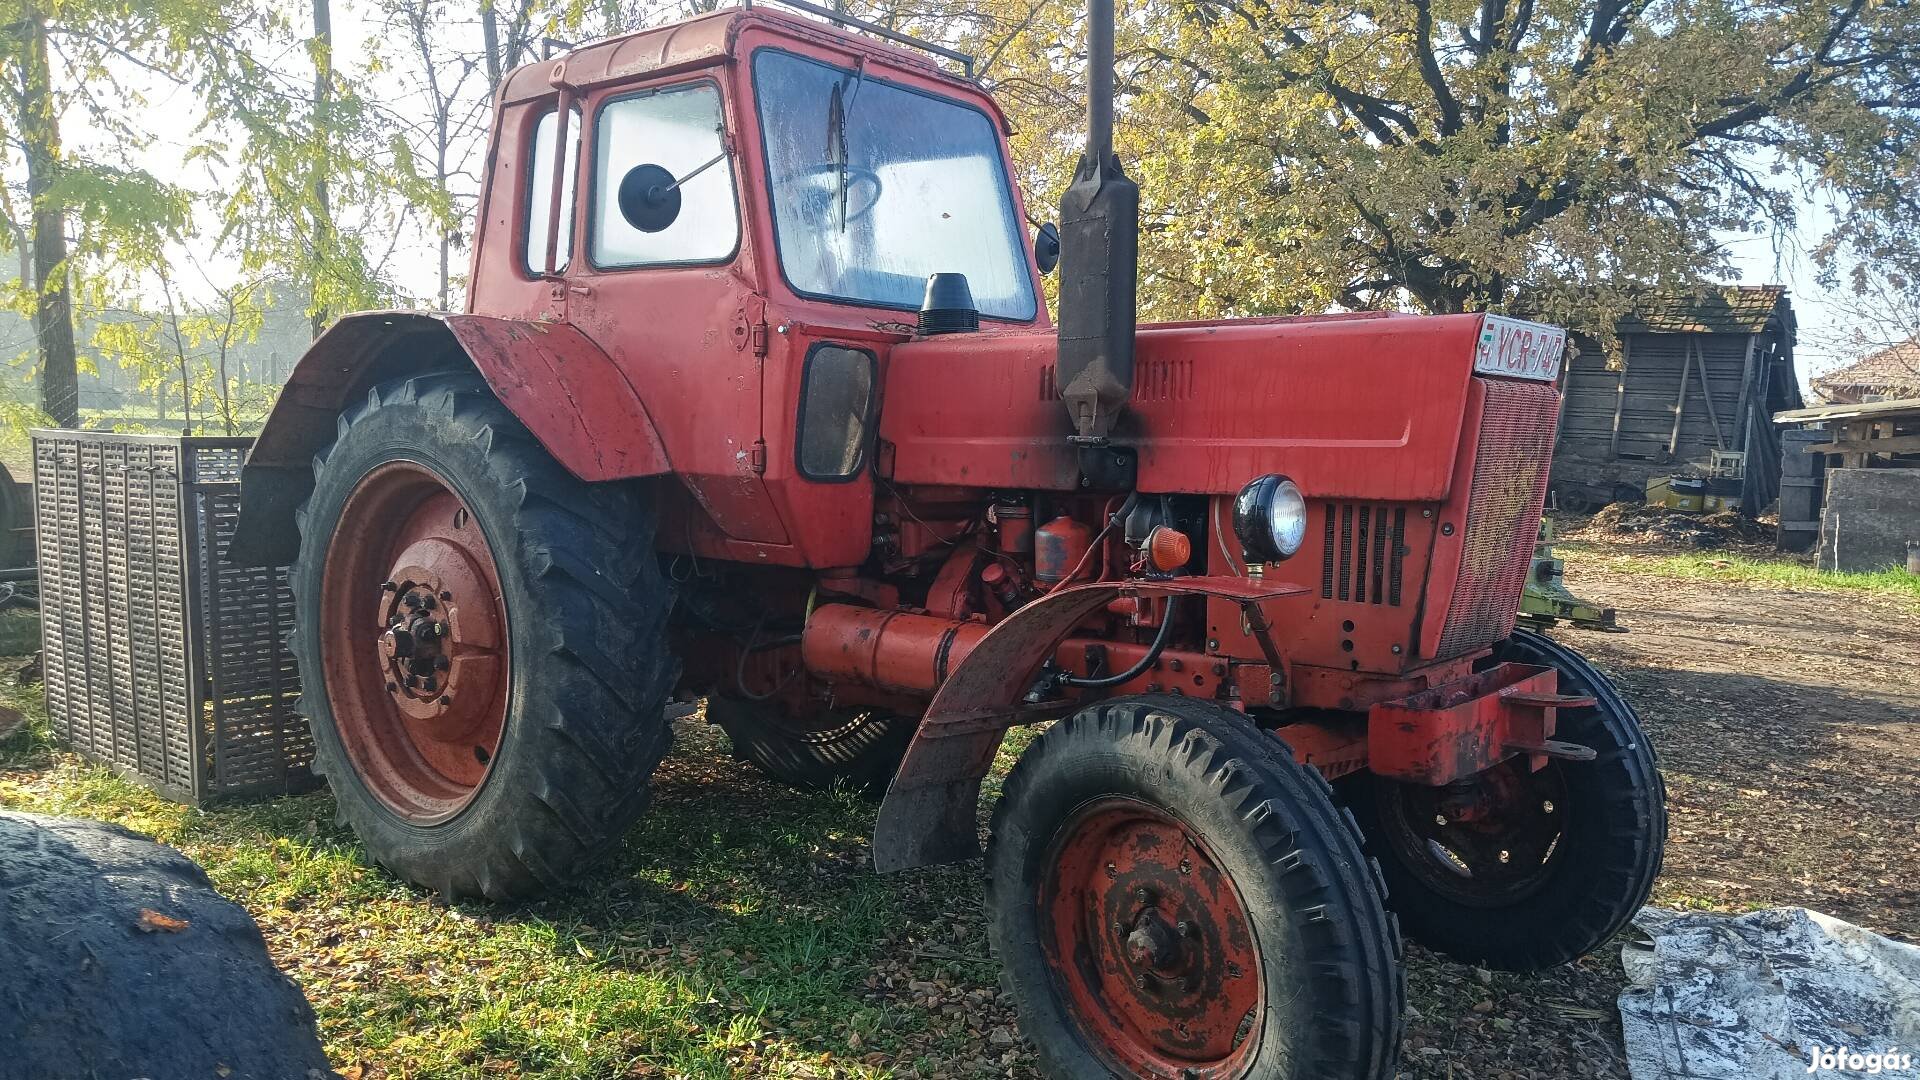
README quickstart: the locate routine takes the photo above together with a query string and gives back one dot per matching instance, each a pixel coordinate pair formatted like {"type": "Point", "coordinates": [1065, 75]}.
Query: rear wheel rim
{"type": "Point", "coordinates": [414, 642]}
{"type": "Point", "coordinates": [1149, 944]}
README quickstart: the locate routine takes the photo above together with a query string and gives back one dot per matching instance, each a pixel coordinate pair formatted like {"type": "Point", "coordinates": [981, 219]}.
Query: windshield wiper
{"type": "Point", "coordinates": [839, 105]}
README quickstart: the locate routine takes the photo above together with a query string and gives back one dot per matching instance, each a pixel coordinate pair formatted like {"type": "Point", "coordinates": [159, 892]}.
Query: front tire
{"type": "Point", "coordinates": [481, 642]}
{"type": "Point", "coordinates": [1172, 896]}
{"type": "Point", "coordinates": [1521, 870]}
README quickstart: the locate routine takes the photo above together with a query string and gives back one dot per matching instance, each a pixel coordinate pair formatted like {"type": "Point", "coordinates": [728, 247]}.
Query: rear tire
{"type": "Point", "coordinates": [858, 748]}
{"type": "Point", "coordinates": [1608, 826]}
{"type": "Point", "coordinates": [575, 639]}
{"type": "Point", "coordinates": [1172, 896]}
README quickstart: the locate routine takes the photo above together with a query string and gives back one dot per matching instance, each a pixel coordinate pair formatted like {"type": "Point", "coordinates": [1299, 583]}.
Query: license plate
{"type": "Point", "coordinates": [1519, 349]}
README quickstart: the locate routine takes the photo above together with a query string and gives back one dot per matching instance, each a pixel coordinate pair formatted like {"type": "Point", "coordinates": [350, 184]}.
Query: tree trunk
{"type": "Point", "coordinates": [322, 125]}
{"type": "Point", "coordinates": [490, 40]}
{"type": "Point", "coordinates": [22, 250]}
{"type": "Point", "coordinates": [53, 307]}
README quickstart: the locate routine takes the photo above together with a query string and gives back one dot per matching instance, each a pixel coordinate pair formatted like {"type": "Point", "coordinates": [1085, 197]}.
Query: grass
{"type": "Point", "coordinates": [1746, 570]}
{"type": "Point", "coordinates": [738, 931]}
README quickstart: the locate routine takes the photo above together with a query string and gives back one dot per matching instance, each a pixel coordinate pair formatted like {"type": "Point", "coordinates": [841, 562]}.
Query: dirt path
{"type": "Point", "coordinates": [1788, 724]}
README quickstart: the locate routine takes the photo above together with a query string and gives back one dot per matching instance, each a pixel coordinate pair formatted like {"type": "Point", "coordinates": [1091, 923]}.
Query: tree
{"type": "Point", "coordinates": [1542, 156]}
{"type": "Point", "coordinates": [55, 55]}
{"type": "Point", "coordinates": [445, 83]}
{"type": "Point", "coordinates": [99, 228]}
{"type": "Point", "coordinates": [314, 179]}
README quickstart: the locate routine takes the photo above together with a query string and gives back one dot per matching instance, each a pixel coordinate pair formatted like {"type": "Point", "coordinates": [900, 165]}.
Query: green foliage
{"type": "Point", "coordinates": [1542, 156]}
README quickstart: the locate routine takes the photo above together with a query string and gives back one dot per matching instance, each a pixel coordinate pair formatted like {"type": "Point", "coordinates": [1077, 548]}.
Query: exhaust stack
{"type": "Point", "coordinates": [1099, 259]}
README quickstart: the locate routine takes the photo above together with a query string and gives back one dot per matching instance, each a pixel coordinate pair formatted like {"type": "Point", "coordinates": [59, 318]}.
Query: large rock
{"type": "Point", "coordinates": [118, 960]}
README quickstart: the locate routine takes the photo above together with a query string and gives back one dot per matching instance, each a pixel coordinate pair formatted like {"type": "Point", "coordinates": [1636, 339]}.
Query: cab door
{"type": "Point", "coordinates": [658, 282]}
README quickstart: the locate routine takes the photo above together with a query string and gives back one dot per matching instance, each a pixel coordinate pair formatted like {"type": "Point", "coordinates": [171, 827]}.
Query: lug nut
{"type": "Point", "coordinates": [446, 699]}
{"type": "Point", "coordinates": [446, 594]}
{"type": "Point", "coordinates": [1184, 929]}
{"type": "Point", "coordinates": [1439, 819]}
{"type": "Point", "coordinates": [392, 687]}
{"type": "Point", "coordinates": [1140, 981]}
{"type": "Point", "coordinates": [388, 586]}
{"type": "Point", "coordinates": [1141, 894]}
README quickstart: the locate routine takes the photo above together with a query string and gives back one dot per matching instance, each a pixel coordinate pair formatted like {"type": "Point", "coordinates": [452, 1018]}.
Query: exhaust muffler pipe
{"type": "Point", "coordinates": [1099, 259]}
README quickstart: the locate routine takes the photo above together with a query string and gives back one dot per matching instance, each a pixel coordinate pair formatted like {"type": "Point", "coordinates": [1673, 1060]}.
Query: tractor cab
{"type": "Point", "coordinates": [742, 212]}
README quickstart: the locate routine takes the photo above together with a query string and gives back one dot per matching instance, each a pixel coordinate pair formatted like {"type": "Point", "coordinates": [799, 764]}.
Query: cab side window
{"type": "Point", "coordinates": [662, 182]}
{"type": "Point", "coordinates": [836, 413]}
{"type": "Point", "coordinates": [540, 192]}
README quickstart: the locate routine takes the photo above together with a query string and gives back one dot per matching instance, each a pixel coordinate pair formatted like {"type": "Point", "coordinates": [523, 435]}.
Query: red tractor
{"type": "Point", "coordinates": [756, 399]}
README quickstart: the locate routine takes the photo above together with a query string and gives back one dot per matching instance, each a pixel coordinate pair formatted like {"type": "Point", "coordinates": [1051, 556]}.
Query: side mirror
{"type": "Point", "coordinates": [649, 198]}
{"type": "Point", "coordinates": [1046, 247]}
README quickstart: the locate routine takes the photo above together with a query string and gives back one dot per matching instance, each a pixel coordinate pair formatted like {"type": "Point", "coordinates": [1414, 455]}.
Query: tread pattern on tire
{"type": "Point", "coordinates": [862, 753]}
{"type": "Point", "coordinates": [592, 665]}
{"type": "Point", "coordinates": [1308, 842]}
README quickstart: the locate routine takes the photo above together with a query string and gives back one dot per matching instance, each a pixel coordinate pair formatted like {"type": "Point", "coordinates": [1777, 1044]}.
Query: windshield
{"type": "Point", "coordinates": [876, 186]}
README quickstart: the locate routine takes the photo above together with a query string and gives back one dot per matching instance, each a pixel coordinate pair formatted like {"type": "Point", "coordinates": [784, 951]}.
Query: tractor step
{"type": "Point", "coordinates": [1547, 701]}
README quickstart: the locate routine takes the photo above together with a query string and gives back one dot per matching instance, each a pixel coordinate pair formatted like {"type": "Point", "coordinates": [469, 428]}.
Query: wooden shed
{"type": "Point", "coordinates": [1694, 372]}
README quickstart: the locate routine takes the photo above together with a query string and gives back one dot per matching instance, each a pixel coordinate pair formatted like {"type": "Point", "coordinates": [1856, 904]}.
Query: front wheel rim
{"type": "Point", "coordinates": [414, 642]}
{"type": "Point", "coordinates": [1149, 944]}
{"type": "Point", "coordinates": [1489, 841]}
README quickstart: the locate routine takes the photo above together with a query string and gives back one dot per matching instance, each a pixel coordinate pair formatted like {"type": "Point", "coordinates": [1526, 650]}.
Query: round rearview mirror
{"type": "Point", "coordinates": [649, 199]}
{"type": "Point", "coordinates": [1046, 247]}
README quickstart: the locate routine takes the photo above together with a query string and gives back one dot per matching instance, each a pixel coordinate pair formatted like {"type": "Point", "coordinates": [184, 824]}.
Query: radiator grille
{"type": "Point", "coordinates": [1503, 513]}
{"type": "Point", "coordinates": [1363, 550]}
{"type": "Point", "coordinates": [160, 660]}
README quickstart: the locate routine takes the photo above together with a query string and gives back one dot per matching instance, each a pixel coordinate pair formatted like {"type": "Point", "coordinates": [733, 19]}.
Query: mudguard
{"type": "Point", "coordinates": [928, 816]}
{"type": "Point", "coordinates": [570, 395]}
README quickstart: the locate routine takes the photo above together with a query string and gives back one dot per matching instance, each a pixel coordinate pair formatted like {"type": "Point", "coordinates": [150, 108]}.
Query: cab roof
{"type": "Point", "coordinates": [700, 41]}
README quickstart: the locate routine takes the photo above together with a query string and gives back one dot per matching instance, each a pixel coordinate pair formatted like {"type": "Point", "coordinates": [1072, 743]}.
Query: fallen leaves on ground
{"type": "Point", "coordinates": [152, 922]}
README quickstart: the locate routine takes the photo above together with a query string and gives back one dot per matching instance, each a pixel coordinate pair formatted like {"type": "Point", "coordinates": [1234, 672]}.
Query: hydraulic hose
{"type": "Point", "coordinates": [1140, 667]}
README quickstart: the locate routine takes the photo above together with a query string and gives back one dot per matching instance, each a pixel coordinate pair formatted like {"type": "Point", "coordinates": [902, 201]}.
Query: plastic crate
{"type": "Point", "coordinates": [160, 660]}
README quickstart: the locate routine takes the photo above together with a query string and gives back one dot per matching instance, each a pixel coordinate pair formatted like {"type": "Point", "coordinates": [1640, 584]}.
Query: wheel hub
{"type": "Point", "coordinates": [414, 642]}
{"type": "Point", "coordinates": [1151, 944]}
{"type": "Point", "coordinates": [1486, 841]}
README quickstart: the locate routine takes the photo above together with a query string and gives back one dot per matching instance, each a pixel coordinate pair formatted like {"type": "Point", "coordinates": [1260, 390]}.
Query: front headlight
{"type": "Point", "coordinates": [1270, 518]}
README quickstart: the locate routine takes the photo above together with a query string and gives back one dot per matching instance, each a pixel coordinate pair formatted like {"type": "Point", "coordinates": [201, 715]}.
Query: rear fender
{"type": "Point", "coordinates": [929, 813]}
{"type": "Point", "coordinates": [568, 393]}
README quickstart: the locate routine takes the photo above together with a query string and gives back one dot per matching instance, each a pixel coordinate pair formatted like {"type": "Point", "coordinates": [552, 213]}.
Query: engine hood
{"type": "Point", "coordinates": [1365, 406]}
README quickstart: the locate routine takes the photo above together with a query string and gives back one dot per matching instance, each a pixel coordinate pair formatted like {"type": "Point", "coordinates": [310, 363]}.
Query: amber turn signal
{"type": "Point", "coordinates": [1168, 549]}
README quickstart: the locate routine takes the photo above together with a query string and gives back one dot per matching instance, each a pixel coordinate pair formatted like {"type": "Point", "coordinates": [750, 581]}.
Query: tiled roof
{"type": "Point", "coordinates": [1896, 369]}
{"type": "Point", "coordinates": [1711, 309]}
